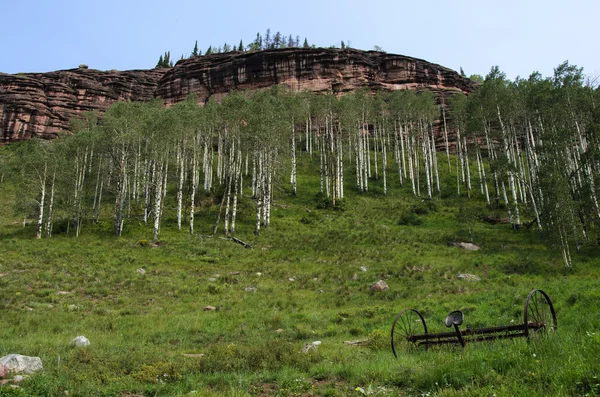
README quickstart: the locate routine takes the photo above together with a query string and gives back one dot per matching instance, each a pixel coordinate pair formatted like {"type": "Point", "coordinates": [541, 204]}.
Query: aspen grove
{"type": "Point", "coordinates": [529, 147]}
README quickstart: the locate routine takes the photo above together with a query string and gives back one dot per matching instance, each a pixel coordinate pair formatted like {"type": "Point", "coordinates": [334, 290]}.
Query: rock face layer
{"type": "Point", "coordinates": [318, 70]}
{"type": "Point", "coordinates": [41, 104]}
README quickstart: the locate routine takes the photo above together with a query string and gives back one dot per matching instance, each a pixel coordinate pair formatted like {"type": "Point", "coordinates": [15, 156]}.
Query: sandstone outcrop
{"type": "Point", "coordinates": [317, 70]}
{"type": "Point", "coordinates": [41, 104]}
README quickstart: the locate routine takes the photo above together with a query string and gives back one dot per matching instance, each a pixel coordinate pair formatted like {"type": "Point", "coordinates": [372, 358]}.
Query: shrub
{"type": "Point", "coordinates": [410, 219]}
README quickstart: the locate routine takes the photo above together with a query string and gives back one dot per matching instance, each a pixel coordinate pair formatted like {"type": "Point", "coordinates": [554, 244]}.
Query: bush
{"type": "Point", "coordinates": [410, 219]}
{"type": "Point", "coordinates": [326, 203]}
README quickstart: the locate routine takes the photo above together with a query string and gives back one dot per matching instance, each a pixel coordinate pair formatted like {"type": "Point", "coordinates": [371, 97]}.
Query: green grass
{"type": "Point", "coordinates": [140, 326]}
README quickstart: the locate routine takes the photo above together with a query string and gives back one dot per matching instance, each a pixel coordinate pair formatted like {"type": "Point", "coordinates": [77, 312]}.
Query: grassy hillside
{"type": "Point", "coordinates": [147, 331]}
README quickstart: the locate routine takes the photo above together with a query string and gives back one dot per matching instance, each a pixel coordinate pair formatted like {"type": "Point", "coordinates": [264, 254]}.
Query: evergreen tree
{"type": "Point", "coordinates": [160, 62]}
{"type": "Point", "coordinates": [305, 45]}
{"type": "Point", "coordinates": [267, 42]}
{"type": "Point", "coordinates": [209, 51]}
{"type": "Point", "coordinates": [277, 40]}
{"type": "Point", "coordinates": [241, 46]}
{"type": "Point", "coordinates": [343, 46]}
{"type": "Point", "coordinates": [195, 51]}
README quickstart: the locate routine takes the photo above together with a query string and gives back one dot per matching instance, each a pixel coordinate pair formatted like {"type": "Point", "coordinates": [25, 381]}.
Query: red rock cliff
{"type": "Point", "coordinates": [41, 104]}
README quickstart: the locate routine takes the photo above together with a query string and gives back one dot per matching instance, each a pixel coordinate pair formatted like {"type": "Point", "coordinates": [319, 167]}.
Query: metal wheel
{"type": "Point", "coordinates": [407, 324]}
{"type": "Point", "coordinates": [539, 315]}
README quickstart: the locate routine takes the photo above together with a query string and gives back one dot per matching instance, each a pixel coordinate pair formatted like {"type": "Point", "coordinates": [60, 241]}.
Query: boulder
{"type": "Point", "coordinates": [379, 286]}
{"type": "Point", "coordinates": [465, 246]}
{"type": "Point", "coordinates": [22, 364]}
{"type": "Point", "coordinates": [311, 346]}
{"type": "Point", "coordinates": [468, 277]}
{"type": "Point", "coordinates": [80, 341]}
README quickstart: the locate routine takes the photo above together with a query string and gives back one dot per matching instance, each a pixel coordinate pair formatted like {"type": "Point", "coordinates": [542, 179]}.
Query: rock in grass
{"type": "Point", "coordinates": [465, 246]}
{"type": "Point", "coordinates": [250, 289]}
{"type": "Point", "coordinates": [209, 308]}
{"type": "Point", "coordinates": [80, 341]}
{"type": "Point", "coordinates": [3, 371]}
{"type": "Point", "coordinates": [310, 346]}
{"type": "Point", "coordinates": [141, 271]}
{"type": "Point", "coordinates": [19, 378]}
{"type": "Point", "coordinates": [363, 268]}
{"type": "Point", "coordinates": [379, 286]}
{"type": "Point", "coordinates": [22, 364]}
{"type": "Point", "coordinates": [468, 277]}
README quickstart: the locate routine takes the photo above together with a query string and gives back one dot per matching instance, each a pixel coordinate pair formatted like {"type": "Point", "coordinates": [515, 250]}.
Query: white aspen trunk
{"type": "Point", "coordinates": [51, 206]}
{"type": "Point", "coordinates": [446, 136]}
{"type": "Point", "coordinates": [269, 189]}
{"type": "Point", "coordinates": [384, 159]}
{"type": "Point", "coordinates": [151, 189]}
{"type": "Point", "coordinates": [307, 133]}
{"type": "Point", "coordinates": [158, 195]}
{"type": "Point", "coordinates": [96, 192]}
{"type": "Point", "coordinates": [310, 137]}
{"type": "Point", "coordinates": [397, 152]}
{"type": "Point", "coordinates": [376, 147]}
{"type": "Point", "coordinates": [205, 162]}
{"type": "Point", "coordinates": [120, 193]}
{"type": "Point", "coordinates": [254, 178]}
{"type": "Point", "coordinates": [366, 160]}
{"type": "Point", "coordinates": [326, 158]}
{"type": "Point", "coordinates": [181, 169]}
{"type": "Point", "coordinates": [220, 159]}
{"type": "Point", "coordinates": [416, 164]}
{"type": "Point", "coordinates": [80, 194]}
{"type": "Point", "coordinates": [402, 139]}
{"type": "Point", "coordinates": [426, 159]}
{"type": "Point", "coordinates": [321, 167]}
{"type": "Point", "coordinates": [194, 180]}
{"type": "Point", "coordinates": [565, 248]}
{"type": "Point", "coordinates": [435, 162]}
{"type": "Point", "coordinates": [136, 170]}
{"type": "Point", "coordinates": [411, 168]}
{"type": "Point", "coordinates": [99, 201]}
{"type": "Point", "coordinates": [238, 188]}
{"type": "Point", "coordinates": [481, 166]}
{"type": "Point", "coordinates": [40, 222]}
{"type": "Point", "coordinates": [293, 176]}
{"type": "Point", "coordinates": [230, 182]}
{"type": "Point", "coordinates": [517, 223]}
{"type": "Point", "coordinates": [258, 194]}
{"type": "Point", "coordinates": [341, 164]}
{"type": "Point", "coordinates": [358, 167]}
{"type": "Point", "coordinates": [368, 152]}
{"type": "Point", "coordinates": [466, 157]}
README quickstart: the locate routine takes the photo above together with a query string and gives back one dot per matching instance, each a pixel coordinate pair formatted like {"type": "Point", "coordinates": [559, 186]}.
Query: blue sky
{"type": "Point", "coordinates": [519, 36]}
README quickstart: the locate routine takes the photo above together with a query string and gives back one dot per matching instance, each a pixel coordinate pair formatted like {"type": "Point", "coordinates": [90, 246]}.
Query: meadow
{"type": "Point", "coordinates": [300, 282]}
